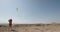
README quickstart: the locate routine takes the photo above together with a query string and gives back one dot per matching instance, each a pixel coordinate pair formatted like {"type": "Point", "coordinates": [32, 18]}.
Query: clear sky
{"type": "Point", "coordinates": [31, 11]}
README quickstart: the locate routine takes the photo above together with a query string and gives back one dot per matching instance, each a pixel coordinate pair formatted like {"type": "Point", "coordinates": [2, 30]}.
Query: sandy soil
{"type": "Point", "coordinates": [32, 28]}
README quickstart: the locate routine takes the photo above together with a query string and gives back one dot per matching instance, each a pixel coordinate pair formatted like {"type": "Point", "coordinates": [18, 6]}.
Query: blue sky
{"type": "Point", "coordinates": [31, 11]}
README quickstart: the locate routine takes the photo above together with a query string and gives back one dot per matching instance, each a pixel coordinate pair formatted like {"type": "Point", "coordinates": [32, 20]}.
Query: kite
{"type": "Point", "coordinates": [17, 9]}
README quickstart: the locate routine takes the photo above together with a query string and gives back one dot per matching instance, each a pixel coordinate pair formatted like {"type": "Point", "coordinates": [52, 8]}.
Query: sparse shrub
{"type": "Point", "coordinates": [38, 25]}
{"type": "Point", "coordinates": [0, 26]}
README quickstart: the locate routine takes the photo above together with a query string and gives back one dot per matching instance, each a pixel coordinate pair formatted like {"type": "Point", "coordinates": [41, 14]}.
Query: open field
{"type": "Point", "coordinates": [32, 28]}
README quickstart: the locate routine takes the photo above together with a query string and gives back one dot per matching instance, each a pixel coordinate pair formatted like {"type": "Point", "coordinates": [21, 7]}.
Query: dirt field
{"type": "Point", "coordinates": [32, 28]}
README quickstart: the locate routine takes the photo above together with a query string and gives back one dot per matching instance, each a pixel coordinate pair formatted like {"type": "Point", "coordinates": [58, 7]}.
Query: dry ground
{"type": "Point", "coordinates": [33, 28]}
